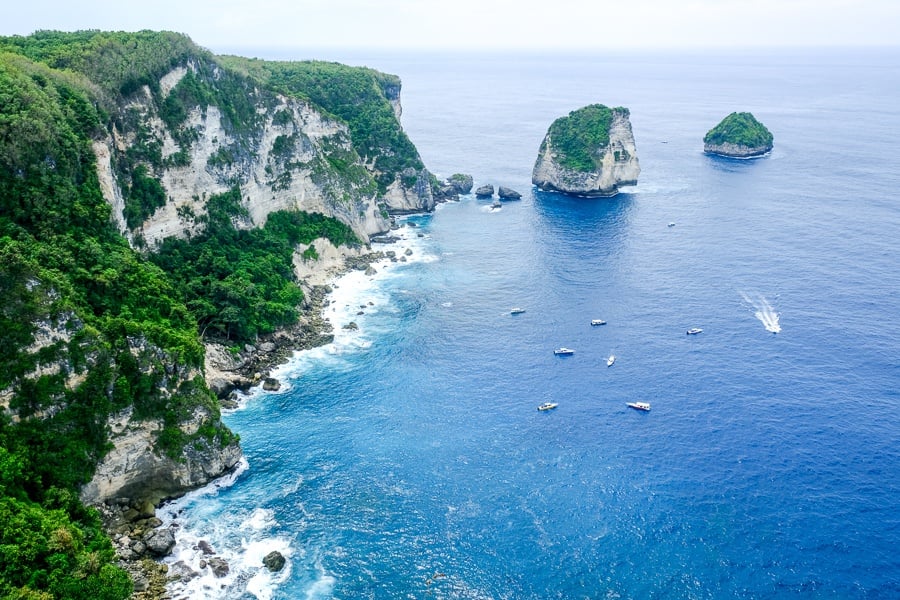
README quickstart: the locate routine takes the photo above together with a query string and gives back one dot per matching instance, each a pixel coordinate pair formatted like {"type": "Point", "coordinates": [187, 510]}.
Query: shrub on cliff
{"type": "Point", "coordinates": [577, 137]}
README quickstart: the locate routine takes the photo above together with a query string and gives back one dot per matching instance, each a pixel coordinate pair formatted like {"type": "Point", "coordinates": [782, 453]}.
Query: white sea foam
{"type": "Point", "coordinates": [763, 311]}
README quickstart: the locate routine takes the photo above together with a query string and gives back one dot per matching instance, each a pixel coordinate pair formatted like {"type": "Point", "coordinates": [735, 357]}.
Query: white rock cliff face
{"type": "Point", "coordinates": [268, 183]}
{"type": "Point", "coordinates": [736, 150]}
{"type": "Point", "coordinates": [618, 165]}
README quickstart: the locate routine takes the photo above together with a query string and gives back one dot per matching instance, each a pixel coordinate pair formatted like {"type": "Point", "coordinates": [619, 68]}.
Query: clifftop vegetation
{"type": "Point", "coordinates": [741, 129]}
{"type": "Point", "coordinates": [579, 137]}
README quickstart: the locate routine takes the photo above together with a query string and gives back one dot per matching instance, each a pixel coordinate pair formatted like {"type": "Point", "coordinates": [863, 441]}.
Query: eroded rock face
{"type": "Point", "coordinates": [737, 150]}
{"type": "Point", "coordinates": [135, 469]}
{"type": "Point", "coordinates": [616, 164]}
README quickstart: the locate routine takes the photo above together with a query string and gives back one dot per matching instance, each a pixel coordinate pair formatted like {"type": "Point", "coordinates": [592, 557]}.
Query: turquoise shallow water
{"type": "Point", "coordinates": [408, 459]}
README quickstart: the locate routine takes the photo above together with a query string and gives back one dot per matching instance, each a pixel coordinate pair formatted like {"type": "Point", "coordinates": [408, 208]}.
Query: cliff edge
{"type": "Point", "coordinates": [590, 152]}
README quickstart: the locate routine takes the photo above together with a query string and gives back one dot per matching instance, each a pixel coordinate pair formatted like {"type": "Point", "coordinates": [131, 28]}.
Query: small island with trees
{"type": "Point", "coordinates": [590, 152]}
{"type": "Point", "coordinates": [739, 135]}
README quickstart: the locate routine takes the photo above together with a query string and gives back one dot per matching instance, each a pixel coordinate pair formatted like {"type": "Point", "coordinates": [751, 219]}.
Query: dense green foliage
{"type": "Point", "coordinates": [357, 95]}
{"type": "Point", "coordinates": [239, 283]}
{"type": "Point", "coordinates": [742, 129]}
{"type": "Point", "coordinates": [578, 138]}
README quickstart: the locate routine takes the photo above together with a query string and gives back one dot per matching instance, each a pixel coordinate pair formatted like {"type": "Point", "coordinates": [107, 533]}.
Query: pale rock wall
{"type": "Point", "coordinates": [330, 262]}
{"type": "Point", "coordinates": [736, 150]}
{"type": "Point", "coordinates": [400, 199]}
{"type": "Point", "coordinates": [548, 174]}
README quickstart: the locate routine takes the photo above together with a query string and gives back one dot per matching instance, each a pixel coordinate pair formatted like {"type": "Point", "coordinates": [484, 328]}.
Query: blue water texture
{"type": "Point", "coordinates": [414, 464]}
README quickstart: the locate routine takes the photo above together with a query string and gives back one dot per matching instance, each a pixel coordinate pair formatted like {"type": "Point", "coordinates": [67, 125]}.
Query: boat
{"type": "Point", "coordinates": [610, 360]}
{"type": "Point", "coordinates": [672, 224]}
{"type": "Point", "coordinates": [694, 331]}
{"type": "Point", "coordinates": [548, 406]}
{"type": "Point", "coordinates": [598, 322]}
{"type": "Point", "coordinates": [496, 204]}
{"type": "Point", "coordinates": [516, 311]}
{"type": "Point", "coordinates": [563, 351]}
{"type": "Point", "coordinates": [638, 405]}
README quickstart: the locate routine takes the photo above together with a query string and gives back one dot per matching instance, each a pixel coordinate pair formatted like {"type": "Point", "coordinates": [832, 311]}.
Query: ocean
{"type": "Point", "coordinates": [408, 460]}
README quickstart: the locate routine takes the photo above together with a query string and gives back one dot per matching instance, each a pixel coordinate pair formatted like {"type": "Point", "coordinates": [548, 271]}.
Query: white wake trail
{"type": "Point", "coordinates": [764, 312]}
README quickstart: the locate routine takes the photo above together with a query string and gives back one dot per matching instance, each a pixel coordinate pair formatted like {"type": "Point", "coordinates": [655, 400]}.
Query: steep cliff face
{"type": "Point", "coordinates": [607, 164]}
{"type": "Point", "coordinates": [290, 157]}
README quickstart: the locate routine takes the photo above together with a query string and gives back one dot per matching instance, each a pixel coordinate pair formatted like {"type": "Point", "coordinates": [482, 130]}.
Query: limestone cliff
{"type": "Point", "coordinates": [591, 152]}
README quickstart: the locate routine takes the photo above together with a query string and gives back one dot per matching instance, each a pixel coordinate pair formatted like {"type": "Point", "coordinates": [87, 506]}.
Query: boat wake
{"type": "Point", "coordinates": [763, 311]}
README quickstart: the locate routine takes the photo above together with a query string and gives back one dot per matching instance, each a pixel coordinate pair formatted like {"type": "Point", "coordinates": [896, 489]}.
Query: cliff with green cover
{"type": "Point", "coordinates": [739, 135]}
{"type": "Point", "coordinates": [154, 197]}
{"type": "Point", "coordinates": [589, 152]}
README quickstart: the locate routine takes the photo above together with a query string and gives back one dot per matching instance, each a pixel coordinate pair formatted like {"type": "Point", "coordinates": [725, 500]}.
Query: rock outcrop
{"type": "Point", "coordinates": [505, 193]}
{"type": "Point", "coordinates": [739, 135]}
{"type": "Point", "coordinates": [590, 152]}
{"type": "Point", "coordinates": [484, 191]}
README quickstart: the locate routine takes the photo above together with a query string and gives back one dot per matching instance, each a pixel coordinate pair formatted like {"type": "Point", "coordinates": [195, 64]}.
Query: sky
{"type": "Point", "coordinates": [229, 25]}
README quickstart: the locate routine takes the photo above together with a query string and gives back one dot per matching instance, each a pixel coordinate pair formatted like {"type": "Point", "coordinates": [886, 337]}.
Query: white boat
{"type": "Point", "coordinates": [694, 331]}
{"type": "Point", "coordinates": [610, 360]}
{"type": "Point", "coordinates": [563, 351]}
{"type": "Point", "coordinates": [548, 406]}
{"type": "Point", "coordinates": [598, 322]}
{"type": "Point", "coordinates": [671, 224]}
{"type": "Point", "coordinates": [638, 405]}
{"type": "Point", "coordinates": [516, 311]}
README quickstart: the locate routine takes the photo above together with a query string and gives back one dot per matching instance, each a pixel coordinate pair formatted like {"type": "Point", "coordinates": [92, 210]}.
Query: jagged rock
{"type": "Point", "coordinates": [590, 153]}
{"type": "Point", "coordinates": [508, 194]}
{"type": "Point", "coordinates": [370, 271]}
{"type": "Point", "coordinates": [274, 561]}
{"type": "Point", "coordinates": [270, 384]}
{"type": "Point", "coordinates": [204, 547]}
{"type": "Point", "coordinates": [219, 566]}
{"type": "Point", "coordinates": [484, 191]}
{"type": "Point", "coordinates": [139, 548]}
{"type": "Point", "coordinates": [351, 326]}
{"type": "Point", "coordinates": [160, 542]}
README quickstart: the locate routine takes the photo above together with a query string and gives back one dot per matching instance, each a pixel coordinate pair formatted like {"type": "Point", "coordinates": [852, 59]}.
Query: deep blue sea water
{"type": "Point", "coordinates": [408, 459]}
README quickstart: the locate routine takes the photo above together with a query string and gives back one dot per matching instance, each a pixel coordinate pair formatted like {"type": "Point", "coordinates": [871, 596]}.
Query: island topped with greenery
{"type": "Point", "coordinates": [739, 135]}
{"type": "Point", "coordinates": [589, 152]}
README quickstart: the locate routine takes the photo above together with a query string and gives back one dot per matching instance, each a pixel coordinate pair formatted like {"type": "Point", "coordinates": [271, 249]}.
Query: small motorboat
{"type": "Point", "coordinates": [694, 331]}
{"type": "Point", "coordinates": [638, 405]}
{"type": "Point", "coordinates": [597, 322]}
{"type": "Point", "coordinates": [516, 311]}
{"type": "Point", "coordinates": [610, 360]}
{"type": "Point", "coordinates": [672, 224]}
{"type": "Point", "coordinates": [563, 351]}
{"type": "Point", "coordinates": [548, 406]}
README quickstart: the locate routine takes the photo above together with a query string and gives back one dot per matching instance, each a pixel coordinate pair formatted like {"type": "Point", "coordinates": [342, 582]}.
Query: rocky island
{"type": "Point", "coordinates": [739, 135]}
{"type": "Point", "coordinates": [589, 153]}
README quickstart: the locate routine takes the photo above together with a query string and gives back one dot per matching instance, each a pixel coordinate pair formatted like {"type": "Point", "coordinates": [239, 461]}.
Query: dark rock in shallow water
{"type": "Point", "coordinates": [461, 183]}
{"type": "Point", "coordinates": [270, 384]}
{"type": "Point", "coordinates": [274, 561]}
{"type": "Point", "coordinates": [508, 194]}
{"type": "Point", "coordinates": [485, 191]}
{"type": "Point", "coordinates": [204, 547]}
{"type": "Point", "coordinates": [219, 566]}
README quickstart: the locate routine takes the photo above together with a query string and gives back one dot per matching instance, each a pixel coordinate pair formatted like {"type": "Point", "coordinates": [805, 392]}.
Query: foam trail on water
{"type": "Point", "coordinates": [763, 311]}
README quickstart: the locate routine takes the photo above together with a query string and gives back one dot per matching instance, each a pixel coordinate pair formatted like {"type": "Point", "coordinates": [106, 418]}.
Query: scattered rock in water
{"type": "Point", "coordinates": [421, 235]}
{"type": "Point", "coordinates": [218, 566]}
{"type": "Point", "coordinates": [508, 193]}
{"type": "Point", "coordinates": [485, 191]}
{"type": "Point", "coordinates": [270, 384]}
{"type": "Point", "coordinates": [351, 326]}
{"type": "Point", "coordinates": [461, 183]}
{"type": "Point", "coordinates": [274, 561]}
{"type": "Point", "coordinates": [370, 271]}
{"type": "Point", "coordinates": [204, 547]}
{"type": "Point", "coordinates": [408, 252]}
{"type": "Point", "coordinates": [402, 259]}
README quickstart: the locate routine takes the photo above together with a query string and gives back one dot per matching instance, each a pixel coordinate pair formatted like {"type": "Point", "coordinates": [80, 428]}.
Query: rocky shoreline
{"type": "Point", "coordinates": [136, 533]}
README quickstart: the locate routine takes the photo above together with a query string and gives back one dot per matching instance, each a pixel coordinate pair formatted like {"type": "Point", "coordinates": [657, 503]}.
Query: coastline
{"type": "Point", "coordinates": [331, 308]}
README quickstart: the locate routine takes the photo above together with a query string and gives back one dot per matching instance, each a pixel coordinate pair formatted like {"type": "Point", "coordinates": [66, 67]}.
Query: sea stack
{"type": "Point", "coordinates": [588, 153]}
{"type": "Point", "coordinates": [739, 135]}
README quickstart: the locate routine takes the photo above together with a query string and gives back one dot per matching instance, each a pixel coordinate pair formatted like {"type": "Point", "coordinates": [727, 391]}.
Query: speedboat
{"type": "Point", "coordinates": [638, 405]}
{"type": "Point", "coordinates": [563, 351]}
{"type": "Point", "coordinates": [694, 331]}
{"type": "Point", "coordinates": [516, 311]}
{"type": "Point", "coordinates": [672, 224]}
{"type": "Point", "coordinates": [598, 322]}
{"type": "Point", "coordinates": [610, 360]}
{"type": "Point", "coordinates": [548, 406]}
